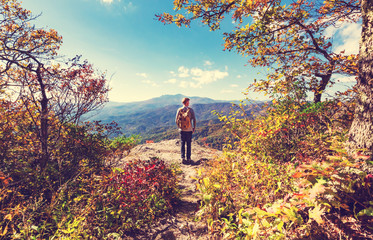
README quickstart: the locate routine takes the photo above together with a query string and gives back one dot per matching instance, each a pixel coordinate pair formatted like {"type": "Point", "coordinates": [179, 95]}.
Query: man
{"type": "Point", "coordinates": [186, 121]}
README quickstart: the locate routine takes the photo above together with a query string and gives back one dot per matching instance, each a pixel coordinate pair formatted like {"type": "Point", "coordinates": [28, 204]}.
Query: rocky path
{"type": "Point", "coordinates": [181, 224]}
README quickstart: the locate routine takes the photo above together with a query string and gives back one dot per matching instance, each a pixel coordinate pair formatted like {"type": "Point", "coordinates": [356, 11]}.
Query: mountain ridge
{"type": "Point", "coordinates": [155, 117]}
{"type": "Point", "coordinates": [144, 121]}
{"type": "Point", "coordinates": [120, 109]}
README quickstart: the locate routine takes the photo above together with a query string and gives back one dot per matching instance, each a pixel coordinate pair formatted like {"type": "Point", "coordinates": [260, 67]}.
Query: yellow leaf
{"type": "Point", "coordinates": [255, 230]}
{"type": "Point", "coordinates": [280, 226]}
{"type": "Point", "coordinates": [8, 217]}
{"type": "Point", "coordinates": [5, 231]}
{"type": "Point", "coordinates": [217, 185]}
{"type": "Point", "coordinates": [206, 181]}
{"type": "Point", "coordinates": [316, 214]}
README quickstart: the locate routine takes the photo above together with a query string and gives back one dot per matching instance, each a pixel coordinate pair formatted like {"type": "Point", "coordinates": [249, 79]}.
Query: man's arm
{"type": "Point", "coordinates": [177, 113]}
{"type": "Point", "coordinates": [194, 120]}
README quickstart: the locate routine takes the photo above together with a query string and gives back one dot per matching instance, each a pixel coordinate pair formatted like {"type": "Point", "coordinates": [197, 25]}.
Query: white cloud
{"type": "Point", "coordinates": [239, 76]}
{"type": "Point", "coordinates": [351, 37]}
{"type": "Point", "coordinates": [172, 80]}
{"type": "Point", "coordinates": [203, 77]}
{"type": "Point", "coordinates": [330, 31]}
{"type": "Point", "coordinates": [200, 77]}
{"type": "Point", "coordinates": [345, 79]}
{"type": "Point", "coordinates": [346, 37]}
{"type": "Point", "coordinates": [195, 77]}
{"type": "Point", "coordinates": [108, 2]}
{"type": "Point", "coordinates": [144, 75]}
{"type": "Point", "coordinates": [234, 86]}
{"type": "Point", "coordinates": [129, 7]}
{"type": "Point", "coordinates": [207, 63]}
{"type": "Point", "coordinates": [150, 83]}
{"type": "Point", "coordinates": [183, 72]}
{"type": "Point", "coordinates": [184, 84]}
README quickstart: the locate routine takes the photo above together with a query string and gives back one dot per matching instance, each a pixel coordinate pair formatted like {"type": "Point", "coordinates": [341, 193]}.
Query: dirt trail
{"type": "Point", "coordinates": [181, 224]}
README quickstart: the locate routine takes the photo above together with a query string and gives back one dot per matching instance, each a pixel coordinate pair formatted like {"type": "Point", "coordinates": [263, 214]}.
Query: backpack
{"type": "Point", "coordinates": [183, 119]}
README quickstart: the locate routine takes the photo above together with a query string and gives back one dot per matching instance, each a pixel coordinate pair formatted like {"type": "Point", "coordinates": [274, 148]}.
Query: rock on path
{"type": "Point", "coordinates": [181, 225]}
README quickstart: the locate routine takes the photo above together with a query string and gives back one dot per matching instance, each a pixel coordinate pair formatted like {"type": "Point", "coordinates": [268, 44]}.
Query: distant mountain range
{"type": "Point", "coordinates": [121, 109]}
{"type": "Point", "coordinates": [144, 117]}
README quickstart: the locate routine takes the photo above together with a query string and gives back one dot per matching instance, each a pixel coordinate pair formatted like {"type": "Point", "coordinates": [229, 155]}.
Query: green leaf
{"type": "Point", "coordinates": [366, 212]}
{"type": "Point", "coordinates": [207, 197]}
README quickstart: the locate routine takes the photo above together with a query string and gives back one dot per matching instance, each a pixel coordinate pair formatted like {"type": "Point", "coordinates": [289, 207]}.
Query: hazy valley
{"type": "Point", "coordinates": [154, 119]}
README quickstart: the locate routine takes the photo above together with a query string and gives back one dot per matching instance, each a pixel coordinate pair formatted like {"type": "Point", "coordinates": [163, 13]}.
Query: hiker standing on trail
{"type": "Point", "coordinates": [184, 118]}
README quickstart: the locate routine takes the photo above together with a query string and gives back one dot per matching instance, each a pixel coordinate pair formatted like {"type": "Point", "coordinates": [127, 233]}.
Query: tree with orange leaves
{"type": "Point", "coordinates": [46, 89]}
{"type": "Point", "coordinates": [292, 40]}
{"type": "Point", "coordinates": [289, 38]}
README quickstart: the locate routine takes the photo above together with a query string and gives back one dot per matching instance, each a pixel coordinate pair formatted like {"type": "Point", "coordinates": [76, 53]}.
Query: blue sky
{"type": "Point", "coordinates": [144, 58]}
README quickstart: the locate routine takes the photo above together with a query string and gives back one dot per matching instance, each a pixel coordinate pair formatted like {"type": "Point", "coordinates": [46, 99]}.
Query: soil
{"type": "Point", "coordinates": [182, 223]}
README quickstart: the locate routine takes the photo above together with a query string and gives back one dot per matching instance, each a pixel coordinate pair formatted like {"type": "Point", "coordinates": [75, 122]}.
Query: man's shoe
{"type": "Point", "coordinates": [185, 162]}
{"type": "Point", "coordinates": [190, 162]}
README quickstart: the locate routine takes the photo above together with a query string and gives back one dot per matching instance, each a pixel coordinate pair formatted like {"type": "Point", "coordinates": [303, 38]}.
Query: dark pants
{"type": "Point", "coordinates": [186, 138]}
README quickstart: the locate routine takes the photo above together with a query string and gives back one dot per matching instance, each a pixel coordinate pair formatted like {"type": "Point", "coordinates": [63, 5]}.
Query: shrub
{"type": "Point", "coordinates": [287, 176]}
{"type": "Point", "coordinates": [237, 183]}
{"type": "Point", "coordinates": [120, 146]}
{"type": "Point", "coordinates": [29, 194]}
{"type": "Point", "coordinates": [120, 202]}
{"type": "Point", "coordinates": [288, 130]}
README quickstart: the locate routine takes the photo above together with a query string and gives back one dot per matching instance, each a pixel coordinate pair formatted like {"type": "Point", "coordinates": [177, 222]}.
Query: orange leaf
{"type": "Point", "coordinates": [300, 196]}
{"type": "Point", "coordinates": [297, 175]}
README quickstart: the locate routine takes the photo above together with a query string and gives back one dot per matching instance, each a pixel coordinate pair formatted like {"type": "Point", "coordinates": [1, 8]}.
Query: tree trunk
{"type": "Point", "coordinates": [321, 87]}
{"type": "Point", "coordinates": [43, 121]}
{"type": "Point", "coordinates": [361, 131]}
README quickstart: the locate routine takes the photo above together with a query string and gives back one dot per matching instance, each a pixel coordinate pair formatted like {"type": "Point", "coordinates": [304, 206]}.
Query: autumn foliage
{"type": "Point", "coordinates": [288, 38]}
{"type": "Point", "coordinates": [288, 177]}
{"type": "Point", "coordinates": [286, 174]}
{"type": "Point", "coordinates": [117, 202]}
{"type": "Point", "coordinates": [53, 166]}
